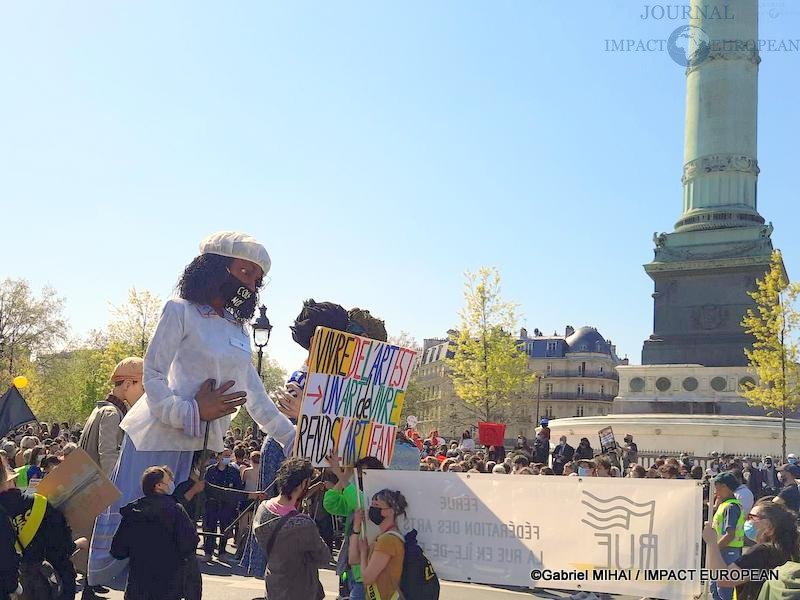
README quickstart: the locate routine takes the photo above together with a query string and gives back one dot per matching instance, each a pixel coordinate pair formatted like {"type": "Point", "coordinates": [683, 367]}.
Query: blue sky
{"type": "Point", "coordinates": [378, 149]}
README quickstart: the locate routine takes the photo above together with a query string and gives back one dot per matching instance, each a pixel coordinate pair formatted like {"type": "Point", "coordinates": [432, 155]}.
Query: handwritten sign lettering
{"type": "Point", "coordinates": [353, 397]}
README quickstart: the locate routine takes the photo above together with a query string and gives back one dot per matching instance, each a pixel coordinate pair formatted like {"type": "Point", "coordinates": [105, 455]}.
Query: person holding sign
{"type": "Point", "coordinates": [382, 565]}
{"type": "Point", "coordinates": [198, 370]}
{"type": "Point", "coordinates": [313, 314]}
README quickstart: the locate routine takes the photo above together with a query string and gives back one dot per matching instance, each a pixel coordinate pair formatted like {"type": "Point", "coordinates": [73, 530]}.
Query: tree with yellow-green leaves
{"type": "Point", "coordinates": [489, 370]}
{"type": "Point", "coordinates": [134, 322]}
{"type": "Point", "coordinates": [775, 353]}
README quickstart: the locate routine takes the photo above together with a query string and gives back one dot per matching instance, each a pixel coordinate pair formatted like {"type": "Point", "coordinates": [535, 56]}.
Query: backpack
{"type": "Point", "coordinates": [419, 580]}
{"type": "Point", "coordinates": [39, 580]}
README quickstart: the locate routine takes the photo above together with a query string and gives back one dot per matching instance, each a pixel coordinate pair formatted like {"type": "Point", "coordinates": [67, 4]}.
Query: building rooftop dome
{"type": "Point", "coordinates": [587, 339]}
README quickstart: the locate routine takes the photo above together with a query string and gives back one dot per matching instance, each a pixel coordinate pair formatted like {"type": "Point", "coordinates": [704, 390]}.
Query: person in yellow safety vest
{"type": "Point", "coordinates": [43, 535]}
{"type": "Point", "coordinates": [728, 522]}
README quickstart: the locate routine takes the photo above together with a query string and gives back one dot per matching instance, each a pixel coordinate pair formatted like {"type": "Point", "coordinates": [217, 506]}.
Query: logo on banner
{"type": "Point", "coordinates": [625, 529]}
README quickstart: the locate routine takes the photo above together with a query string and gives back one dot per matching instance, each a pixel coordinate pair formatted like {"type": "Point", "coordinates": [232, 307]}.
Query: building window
{"type": "Point", "coordinates": [582, 369]}
{"type": "Point", "coordinates": [580, 389]}
{"type": "Point", "coordinates": [600, 370]}
{"type": "Point", "coordinates": [549, 412]}
{"type": "Point", "coordinates": [602, 390]}
{"type": "Point", "coordinates": [580, 411]}
{"type": "Point", "coordinates": [551, 348]}
{"type": "Point", "coordinates": [548, 389]}
{"type": "Point", "coordinates": [549, 368]}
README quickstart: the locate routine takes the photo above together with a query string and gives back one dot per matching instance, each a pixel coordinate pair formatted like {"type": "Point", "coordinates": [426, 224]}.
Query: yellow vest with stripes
{"type": "Point", "coordinates": [719, 517]}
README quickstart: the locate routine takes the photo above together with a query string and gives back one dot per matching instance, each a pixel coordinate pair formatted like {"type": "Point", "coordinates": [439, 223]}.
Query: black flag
{"type": "Point", "coordinates": [14, 411]}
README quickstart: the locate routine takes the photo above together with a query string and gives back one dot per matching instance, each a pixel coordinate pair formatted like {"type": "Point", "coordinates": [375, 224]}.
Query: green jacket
{"type": "Point", "coordinates": [341, 504]}
{"type": "Point", "coordinates": [787, 586]}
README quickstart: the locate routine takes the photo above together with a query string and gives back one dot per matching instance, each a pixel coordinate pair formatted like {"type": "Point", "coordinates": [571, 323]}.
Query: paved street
{"type": "Point", "coordinates": [223, 582]}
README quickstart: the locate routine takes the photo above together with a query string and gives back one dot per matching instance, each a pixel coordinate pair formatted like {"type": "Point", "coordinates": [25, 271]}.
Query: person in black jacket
{"type": "Point", "coordinates": [562, 454]}
{"type": "Point", "coordinates": [160, 540]}
{"type": "Point", "coordinates": [220, 506]}
{"type": "Point", "coordinates": [52, 541]}
{"type": "Point", "coordinates": [584, 450]}
{"type": "Point", "coordinates": [9, 559]}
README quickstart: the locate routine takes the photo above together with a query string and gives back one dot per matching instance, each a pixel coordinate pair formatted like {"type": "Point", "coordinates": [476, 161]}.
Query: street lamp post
{"type": "Point", "coordinates": [261, 332]}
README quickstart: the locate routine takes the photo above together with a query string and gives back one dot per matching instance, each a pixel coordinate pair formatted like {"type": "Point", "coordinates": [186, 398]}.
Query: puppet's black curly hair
{"type": "Point", "coordinates": [203, 277]}
{"type": "Point", "coordinates": [317, 314]}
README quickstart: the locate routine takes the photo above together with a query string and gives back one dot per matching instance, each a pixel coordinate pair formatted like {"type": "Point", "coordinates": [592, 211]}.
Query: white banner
{"type": "Point", "coordinates": [620, 536]}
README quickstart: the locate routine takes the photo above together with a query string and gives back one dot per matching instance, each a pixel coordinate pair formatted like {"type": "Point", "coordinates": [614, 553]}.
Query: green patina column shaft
{"type": "Point", "coordinates": [703, 270]}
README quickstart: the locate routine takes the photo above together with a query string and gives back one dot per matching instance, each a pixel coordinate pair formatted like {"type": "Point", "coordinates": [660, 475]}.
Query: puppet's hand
{"type": "Point", "coordinates": [215, 403]}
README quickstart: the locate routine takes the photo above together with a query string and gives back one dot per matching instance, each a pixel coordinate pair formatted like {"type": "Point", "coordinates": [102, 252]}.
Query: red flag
{"type": "Point", "coordinates": [492, 434]}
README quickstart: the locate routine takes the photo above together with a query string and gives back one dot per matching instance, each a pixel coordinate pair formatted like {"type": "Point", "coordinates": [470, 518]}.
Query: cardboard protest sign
{"type": "Point", "coordinates": [353, 397]}
{"type": "Point", "coordinates": [607, 441]}
{"type": "Point", "coordinates": [80, 490]}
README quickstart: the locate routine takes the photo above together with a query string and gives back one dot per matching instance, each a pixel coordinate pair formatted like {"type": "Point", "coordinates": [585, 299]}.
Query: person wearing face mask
{"type": "Point", "coordinates": [773, 530]}
{"type": "Point", "coordinates": [220, 507]}
{"type": "Point", "coordinates": [159, 539]}
{"type": "Point", "coordinates": [197, 371]}
{"type": "Point", "coordinates": [585, 468]}
{"type": "Point", "coordinates": [630, 451]}
{"type": "Point", "coordinates": [342, 500]}
{"type": "Point", "coordinates": [101, 437]}
{"type": "Point", "coordinates": [290, 539]}
{"type": "Point", "coordinates": [562, 454]}
{"type": "Point", "coordinates": [382, 564]}
{"type": "Point", "coordinates": [770, 476]}
{"type": "Point", "coordinates": [743, 493]}
{"type": "Point", "coordinates": [789, 494]}
{"type": "Point", "coordinates": [523, 447]}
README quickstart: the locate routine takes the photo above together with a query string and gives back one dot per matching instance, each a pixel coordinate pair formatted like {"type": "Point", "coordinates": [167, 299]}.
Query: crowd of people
{"type": "Point", "coordinates": [163, 437]}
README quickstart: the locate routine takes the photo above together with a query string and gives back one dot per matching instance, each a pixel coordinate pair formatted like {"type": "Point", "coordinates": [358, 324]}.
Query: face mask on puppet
{"type": "Point", "coordinates": [239, 301]}
{"type": "Point", "coordinates": [375, 515]}
{"type": "Point", "coordinates": [226, 461]}
{"type": "Point", "coordinates": [750, 530]}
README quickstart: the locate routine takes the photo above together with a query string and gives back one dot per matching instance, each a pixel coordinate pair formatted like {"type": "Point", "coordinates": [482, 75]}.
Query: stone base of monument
{"type": "Point", "coordinates": [697, 435]}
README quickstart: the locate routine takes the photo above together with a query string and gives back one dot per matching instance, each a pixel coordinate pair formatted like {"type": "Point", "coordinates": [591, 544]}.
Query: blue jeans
{"type": "Point", "coordinates": [357, 591]}
{"type": "Point", "coordinates": [729, 555]}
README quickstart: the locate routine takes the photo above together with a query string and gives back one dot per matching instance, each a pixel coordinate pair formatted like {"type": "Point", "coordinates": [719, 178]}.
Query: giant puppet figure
{"type": "Point", "coordinates": [198, 369]}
